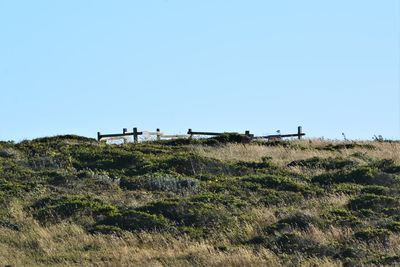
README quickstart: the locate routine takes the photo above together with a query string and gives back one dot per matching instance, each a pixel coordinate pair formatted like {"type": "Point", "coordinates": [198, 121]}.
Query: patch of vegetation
{"type": "Point", "coordinates": [375, 203]}
{"type": "Point", "coordinates": [64, 199]}
{"type": "Point", "coordinates": [371, 234]}
{"type": "Point", "coordinates": [323, 163]}
{"type": "Point", "coordinates": [282, 183]}
{"type": "Point", "coordinates": [132, 220]}
{"type": "Point", "coordinates": [191, 164]}
{"type": "Point", "coordinates": [192, 213]}
{"type": "Point", "coordinates": [298, 220]}
{"type": "Point", "coordinates": [347, 188]}
{"type": "Point", "coordinates": [394, 226]}
{"type": "Point", "coordinates": [342, 217]}
{"type": "Point", "coordinates": [360, 175]}
{"type": "Point", "coordinates": [54, 208]}
{"type": "Point", "coordinates": [335, 147]}
{"type": "Point", "coordinates": [294, 242]}
{"type": "Point", "coordinates": [271, 197]}
{"type": "Point", "coordinates": [231, 138]}
{"type": "Point", "coordinates": [388, 166]}
{"type": "Point", "coordinates": [160, 182]}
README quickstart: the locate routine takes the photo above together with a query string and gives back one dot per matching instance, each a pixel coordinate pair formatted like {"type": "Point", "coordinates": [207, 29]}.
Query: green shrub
{"type": "Point", "coordinates": [283, 183]}
{"type": "Point", "coordinates": [282, 143]}
{"type": "Point", "coordinates": [346, 188]}
{"type": "Point", "coordinates": [192, 164]}
{"type": "Point", "coordinates": [351, 254]}
{"type": "Point", "coordinates": [61, 138]}
{"type": "Point", "coordinates": [271, 197]}
{"type": "Point", "coordinates": [335, 147]}
{"type": "Point", "coordinates": [249, 167]}
{"type": "Point", "coordinates": [132, 220]}
{"type": "Point", "coordinates": [180, 142]}
{"type": "Point", "coordinates": [386, 260]}
{"type": "Point", "coordinates": [361, 175]}
{"type": "Point", "coordinates": [376, 203]}
{"type": "Point", "coordinates": [58, 177]}
{"type": "Point", "coordinates": [342, 217]}
{"type": "Point", "coordinates": [219, 199]}
{"type": "Point", "coordinates": [394, 226]}
{"type": "Point", "coordinates": [323, 163]}
{"type": "Point", "coordinates": [294, 243]}
{"type": "Point", "coordinates": [9, 152]}
{"type": "Point", "coordinates": [10, 223]}
{"type": "Point", "coordinates": [372, 234]}
{"type": "Point", "coordinates": [13, 188]}
{"type": "Point", "coordinates": [375, 189]}
{"type": "Point", "coordinates": [162, 182]}
{"type": "Point", "coordinates": [189, 213]}
{"type": "Point", "coordinates": [231, 138]}
{"type": "Point", "coordinates": [58, 208]}
{"type": "Point", "coordinates": [388, 166]}
{"type": "Point", "coordinates": [298, 220]}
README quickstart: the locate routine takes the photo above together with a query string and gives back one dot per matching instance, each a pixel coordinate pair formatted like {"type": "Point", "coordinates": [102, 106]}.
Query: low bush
{"type": "Point", "coordinates": [231, 138]}
{"type": "Point", "coordinates": [60, 138]}
{"type": "Point", "coordinates": [342, 217]}
{"type": "Point", "coordinates": [282, 143]}
{"type": "Point", "coordinates": [372, 234]}
{"type": "Point", "coordinates": [386, 260]}
{"type": "Point", "coordinates": [58, 177]}
{"type": "Point", "coordinates": [394, 226]}
{"type": "Point", "coordinates": [227, 201]}
{"type": "Point", "coordinates": [298, 220]}
{"type": "Point", "coordinates": [271, 197]}
{"type": "Point", "coordinates": [9, 152]}
{"type": "Point", "coordinates": [56, 208]}
{"type": "Point", "coordinates": [192, 164]}
{"type": "Point", "coordinates": [162, 182]}
{"type": "Point", "coordinates": [376, 203]}
{"type": "Point", "coordinates": [335, 147]}
{"type": "Point", "coordinates": [109, 158]}
{"type": "Point", "coordinates": [347, 188]}
{"type": "Point", "coordinates": [361, 175]}
{"type": "Point", "coordinates": [376, 189]}
{"type": "Point", "coordinates": [132, 220]}
{"type": "Point", "coordinates": [323, 163]}
{"type": "Point", "coordinates": [190, 213]}
{"type": "Point", "coordinates": [14, 188]}
{"type": "Point", "coordinates": [388, 166]}
{"type": "Point", "coordinates": [294, 242]}
{"type": "Point", "coordinates": [283, 183]}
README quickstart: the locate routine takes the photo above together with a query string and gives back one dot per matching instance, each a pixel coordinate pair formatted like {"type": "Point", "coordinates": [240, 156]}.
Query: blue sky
{"type": "Point", "coordinates": [86, 66]}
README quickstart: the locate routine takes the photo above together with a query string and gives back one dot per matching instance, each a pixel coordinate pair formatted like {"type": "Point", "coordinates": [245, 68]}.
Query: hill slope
{"type": "Point", "coordinates": [69, 200]}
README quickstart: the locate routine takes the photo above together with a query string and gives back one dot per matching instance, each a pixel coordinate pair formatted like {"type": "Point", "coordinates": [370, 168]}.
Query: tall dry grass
{"type": "Point", "coordinates": [283, 155]}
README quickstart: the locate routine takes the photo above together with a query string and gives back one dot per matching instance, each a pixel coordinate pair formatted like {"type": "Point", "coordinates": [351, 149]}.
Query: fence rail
{"type": "Point", "coordinates": [190, 133]}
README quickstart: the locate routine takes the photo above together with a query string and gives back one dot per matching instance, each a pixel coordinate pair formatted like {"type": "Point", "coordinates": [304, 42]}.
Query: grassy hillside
{"type": "Point", "coordinates": [70, 200]}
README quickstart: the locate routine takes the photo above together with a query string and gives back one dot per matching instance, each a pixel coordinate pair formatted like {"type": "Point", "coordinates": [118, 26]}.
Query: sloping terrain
{"type": "Point", "coordinates": [226, 201]}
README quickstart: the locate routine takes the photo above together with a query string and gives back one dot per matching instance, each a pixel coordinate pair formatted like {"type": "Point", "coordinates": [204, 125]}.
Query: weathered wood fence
{"type": "Point", "coordinates": [190, 133]}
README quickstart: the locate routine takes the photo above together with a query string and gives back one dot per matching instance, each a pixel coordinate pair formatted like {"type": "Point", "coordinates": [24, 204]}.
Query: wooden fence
{"type": "Point", "coordinates": [135, 133]}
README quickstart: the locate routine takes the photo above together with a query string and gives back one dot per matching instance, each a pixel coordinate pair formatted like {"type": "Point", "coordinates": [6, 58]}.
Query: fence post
{"type": "Point", "coordinates": [299, 132]}
{"type": "Point", "coordinates": [98, 136]}
{"type": "Point", "coordinates": [124, 131]}
{"type": "Point", "coordinates": [135, 135]}
{"type": "Point", "coordinates": [158, 134]}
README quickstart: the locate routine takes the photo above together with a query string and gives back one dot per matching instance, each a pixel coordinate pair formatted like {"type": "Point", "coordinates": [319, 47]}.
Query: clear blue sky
{"type": "Point", "coordinates": [86, 66]}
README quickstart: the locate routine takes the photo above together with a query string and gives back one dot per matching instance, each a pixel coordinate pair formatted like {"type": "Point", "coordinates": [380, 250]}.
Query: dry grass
{"type": "Point", "coordinates": [71, 244]}
{"type": "Point", "coordinates": [67, 244]}
{"type": "Point", "coordinates": [284, 155]}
